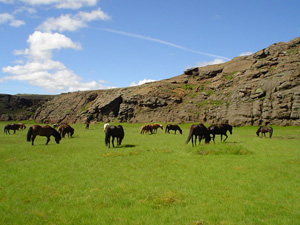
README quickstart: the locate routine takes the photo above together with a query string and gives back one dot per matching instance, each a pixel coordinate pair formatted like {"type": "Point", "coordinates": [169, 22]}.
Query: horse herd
{"type": "Point", "coordinates": [199, 131]}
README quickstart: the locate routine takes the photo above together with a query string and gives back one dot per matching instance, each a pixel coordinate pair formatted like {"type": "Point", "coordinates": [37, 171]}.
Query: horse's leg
{"type": "Point", "coordinates": [48, 139]}
{"type": "Point", "coordinates": [112, 141]}
{"type": "Point", "coordinates": [33, 137]}
{"type": "Point", "coordinates": [221, 137]}
{"type": "Point", "coordinates": [226, 137]}
{"type": "Point", "coordinates": [214, 138]}
{"type": "Point", "coordinates": [14, 131]}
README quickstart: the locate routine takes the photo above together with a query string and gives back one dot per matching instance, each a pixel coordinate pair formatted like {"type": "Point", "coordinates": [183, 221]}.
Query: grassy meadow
{"type": "Point", "coordinates": [150, 179]}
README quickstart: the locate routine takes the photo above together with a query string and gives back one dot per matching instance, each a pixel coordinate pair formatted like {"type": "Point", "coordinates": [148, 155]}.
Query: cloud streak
{"type": "Point", "coordinates": [164, 43]}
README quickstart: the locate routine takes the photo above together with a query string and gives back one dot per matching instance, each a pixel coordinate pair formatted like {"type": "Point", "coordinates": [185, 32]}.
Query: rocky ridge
{"type": "Point", "coordinates": [262, 88]}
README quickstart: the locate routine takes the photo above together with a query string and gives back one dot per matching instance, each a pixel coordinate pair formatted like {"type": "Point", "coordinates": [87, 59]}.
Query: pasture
{"type": "Point", "coordinates": [150, 179]}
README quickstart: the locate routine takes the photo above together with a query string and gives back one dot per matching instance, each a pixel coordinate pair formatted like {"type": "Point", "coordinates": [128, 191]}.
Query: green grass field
{"type": "Point", "coordinates": [150, 179]}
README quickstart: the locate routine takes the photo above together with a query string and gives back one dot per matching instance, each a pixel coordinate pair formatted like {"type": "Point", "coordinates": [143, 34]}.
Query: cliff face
{"type": "Point", "coordinates": [20, 107]}
{"type": "Point", "coordinates": [263, 88]}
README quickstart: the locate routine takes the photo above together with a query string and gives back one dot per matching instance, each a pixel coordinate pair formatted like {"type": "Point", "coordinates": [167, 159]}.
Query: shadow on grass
{"type": "Point", "coordinates": [127, 146]}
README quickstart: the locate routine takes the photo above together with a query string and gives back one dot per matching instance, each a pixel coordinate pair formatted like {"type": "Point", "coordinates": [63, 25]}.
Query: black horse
{"type": "Point", "coordinates": [264, 130]}
{"type": "Point", "coordinates": [42, 131]}
{"type": "Point", "coordinates": [172, 127]}
{"type": "Point", "coordinates": [9, 127]}
{"type": "Point", "coordinates": [198, 130]}
{"type": "Point", "coordinates": [114, 132]}
{"type": "Point", "coordinates": [221, 129]}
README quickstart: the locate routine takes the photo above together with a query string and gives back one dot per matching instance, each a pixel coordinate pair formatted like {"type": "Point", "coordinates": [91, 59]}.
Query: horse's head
{"type": "Point", "coordinates": [207, 138]}
{"type": "Point", "coordinates": [258, 131]}
{"type": "Point", "coordinates": [56, 136]}
{"type": "Point", "coordinates": [230, 129]}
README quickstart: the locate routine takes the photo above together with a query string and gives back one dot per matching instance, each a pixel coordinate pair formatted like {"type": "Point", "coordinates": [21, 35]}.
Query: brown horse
{"type": "Point", "coordinates": [221, 129]}
{"type": "Point", "coordinates": [65, 129]}
{"type": "Point", "coordinates": [42, 131]}
{"type": "Point", "coordinates": [172, 127]}
{"type": "Point", "coordinates": [146, 129]}
{"type": "Point", "coordinates": [9, 127]}
{"type": "Point", "coordinates": [264, 130]}
{"type": "Point", "coordinates": [21, 126]}
{"type": "Point", "coordinates": [156, 126]}
{"type": "Point", "coordinates": [198, 130]}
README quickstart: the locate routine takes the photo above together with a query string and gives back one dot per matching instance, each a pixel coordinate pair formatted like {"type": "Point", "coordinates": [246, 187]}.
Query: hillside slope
{"type": "Point", "coordinates": [262, 88]}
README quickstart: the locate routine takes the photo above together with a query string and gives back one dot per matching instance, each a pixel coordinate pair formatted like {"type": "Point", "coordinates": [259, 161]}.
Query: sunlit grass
{"type": "Point", "coordinates": [150, 179]}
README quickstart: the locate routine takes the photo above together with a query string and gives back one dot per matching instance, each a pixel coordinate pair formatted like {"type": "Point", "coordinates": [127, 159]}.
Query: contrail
{"type": "Point", "coordinates": [164, 43]}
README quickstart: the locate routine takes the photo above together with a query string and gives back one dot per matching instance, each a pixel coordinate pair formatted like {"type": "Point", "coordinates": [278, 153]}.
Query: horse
{"type": "Point", "coordinates": [114, 132]}
{"type": "Point", "coordinates": [198, 130]}
{"type": "Point", "coordinates": [146, 129]}
{"type": "Point", "coordinates": [65, 129]}
{"type": "Point", "coordinates": [105, 127]}
{"type": "Point", "coordinates": [21, 126]}
{"type": "Point", "coordinates": [264, 130]}
{"type": "Point", "coordinates": [156, 126]}
{"type": "Point", "coordinates": [172, 127]}
{"type": "Point", "coordinates": [13, 127]}
{"type": "Point", "coordinates": [221, 129]}
{"type": "Point", "coordinates": [42, 131]}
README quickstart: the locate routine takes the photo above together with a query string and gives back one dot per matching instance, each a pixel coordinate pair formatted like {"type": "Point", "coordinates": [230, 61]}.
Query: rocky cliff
{"type": "Point", "coordinates": [20, 107]}
{"type": "Point", "coordinates": [262, 88]}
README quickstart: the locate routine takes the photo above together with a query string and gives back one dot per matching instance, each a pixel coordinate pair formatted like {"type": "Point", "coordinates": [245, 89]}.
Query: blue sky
{"type": "Point", "coordinates": [57, 46]}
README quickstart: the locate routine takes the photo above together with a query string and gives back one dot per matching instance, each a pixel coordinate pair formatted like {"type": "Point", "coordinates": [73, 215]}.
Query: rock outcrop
{"type": "Point", "coordinates": [20, 107]}
{"type": "Point", "coordinates": [262, 88]}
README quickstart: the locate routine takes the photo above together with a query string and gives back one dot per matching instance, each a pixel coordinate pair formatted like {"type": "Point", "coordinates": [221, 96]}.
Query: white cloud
{"type": "Point", "coordinates": [8, 18]}
{"type": "Point", "coordinates": [63, 4]}
{"type": "Point", "coordinates": [246, 53]}
{"type": "Point", "coordinates": [41, 44]}
{"type": "Point", "coordinates": [141, 82]}
{"type": "Point", "coordinates": [206, 63]}
{"type": "Point", "coordinates": [72, 22]}
{"type": "Point", "coordinates": [40, 70]}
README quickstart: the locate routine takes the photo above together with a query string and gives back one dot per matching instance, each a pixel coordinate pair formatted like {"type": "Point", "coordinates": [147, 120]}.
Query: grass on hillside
{"type": "Point", "coordinates": [150, 179]}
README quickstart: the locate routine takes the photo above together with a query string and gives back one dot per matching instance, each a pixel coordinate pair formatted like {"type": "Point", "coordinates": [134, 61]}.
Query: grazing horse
{"type": "Point", "coordinates": [21, 126]}
{"type": "Point", "coordinates": [65, 129]}
{"type": "Point", "coordinates": [114, 132]}
{"type": "Point", "coordinates": [146, 129]}
{"type": "Point", "coordinates": [42, 131]}
{"type": "Point", "coordinates": [156, 126]}
{"type": "Point", "coordinates": [198, 130]}
{"type": "Point", "coordinates": [172, 127]}
{"type": "Point", "coordinates": [13, 127]}
{"type": "Point", "coordinates": [264, 130]}
{"type": "Point", "coordinates": [105, 127]}
{"type": "Point", "coordinates": [221, 129]}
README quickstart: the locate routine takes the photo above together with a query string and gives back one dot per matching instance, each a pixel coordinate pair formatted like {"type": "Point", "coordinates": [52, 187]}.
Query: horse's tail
{"type": "Point", "coordinates": [29, 134]}
{"type": "Point", "coordinates": [107, 137]}
{"type": "Point", "coordinates": [190, 135]}
{"type": "Point", "coordinates": [271, 132]}
{"type": "Point", "coordinates": [142, 130]}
